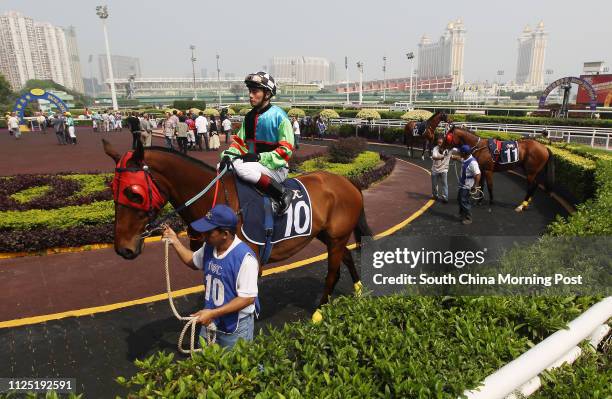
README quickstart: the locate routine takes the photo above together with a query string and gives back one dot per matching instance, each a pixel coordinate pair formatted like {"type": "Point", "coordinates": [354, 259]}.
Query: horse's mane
{"type": "Point", "coordinates": [182, 156]}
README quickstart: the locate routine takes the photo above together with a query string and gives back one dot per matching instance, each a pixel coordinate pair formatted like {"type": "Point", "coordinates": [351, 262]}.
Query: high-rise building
{"type": "Point", "coordinates": [35, 50]}
{"type": "Point", "coordinates": [75, 60]}
{"type": "Point", "coordinates": [531, 55]}
{"type": "Point", "coordinates": [123, 67]}
{"type": "Point", "coordinates": [443, 58]}
{"type": "Point", "coordinates": [301, 69]}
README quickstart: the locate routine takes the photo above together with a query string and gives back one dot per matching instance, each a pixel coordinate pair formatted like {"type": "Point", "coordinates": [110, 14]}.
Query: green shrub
{"type": "Point", "coordinates": [534, 120]}
{"type": "Point", "coordinates": [244, 111]}
{"type": "Point", "coordinates": [390, 114]}
{"type": "Point", "coordinates": [96, 213]}
{"type": "Point", "coordinates": [347, 113]}
{"type": "Point", "coordinates": [297, 112]}
{"type": "Point", "coordinates": [187, 104]}
{"type": "Point", "coordinates": [329, 114]}
{"type": "Point", "coordinates": [493, 134]}
{"type": "Point", "coordinates": [345, 150]}
{"type": "Point", "coordinates": [394, 346]}
{"type": "Point", "coordinates": [364, 162]}
{"type": "Point", "coordinates": [368, 114]}
{"type": "Point", "coordinates": [29, 194]}
{"type": "Point", "coordinates": [346, 131]}
{"type": "Point", "coordinates": [393, 135]}
{"type": "Point", "coordinates": [592, 217]}
{"type": "Point", "coordinates": [573, 172]}
{"type": "Point", "coordinates": [417, 114]}
{"type": "Point", "coordinates": [90, 183]}
{"type": "Point", "coordinates": [208, 112]}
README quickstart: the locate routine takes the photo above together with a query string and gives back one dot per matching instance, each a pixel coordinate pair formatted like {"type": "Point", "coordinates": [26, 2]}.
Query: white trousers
{"type": "Point", "coordinates": [251, 171]}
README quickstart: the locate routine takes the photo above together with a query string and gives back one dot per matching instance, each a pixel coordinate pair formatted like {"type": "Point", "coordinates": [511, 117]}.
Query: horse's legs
{"type": "Point", "coordinates": [347, 259]}
{"type": "Point", "coordinates": [336, 248]}
{"type": "Point", "coordinates": [532, 185]}
{"type": "Point", "coordinates": [424, 149]}
{"type": "Point", "coordinates": [489, 180]}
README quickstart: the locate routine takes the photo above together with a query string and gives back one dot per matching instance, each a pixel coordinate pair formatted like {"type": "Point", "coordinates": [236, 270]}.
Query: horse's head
{"type": "Point", "coordinates": [137, 199]}
{"type": "Point", "coordinates": [451, 138]}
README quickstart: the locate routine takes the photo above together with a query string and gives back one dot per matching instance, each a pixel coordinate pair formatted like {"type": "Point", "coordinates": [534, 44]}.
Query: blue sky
{"type": "Point", "coordinates": [246, 33]}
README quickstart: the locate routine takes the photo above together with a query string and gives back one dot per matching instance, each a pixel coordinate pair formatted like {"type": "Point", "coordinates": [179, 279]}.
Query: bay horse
{"type": "Point", "coordinates": [337, 207]}
{"type": "Point", "coordinates": [411, 139]}
{"type": "Point", "coordinates": [533, 157]}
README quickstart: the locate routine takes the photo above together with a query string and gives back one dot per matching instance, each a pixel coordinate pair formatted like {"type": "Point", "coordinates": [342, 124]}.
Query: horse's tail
{"type": "Point", "coordinates": [549, 171]}
{"type": "Point", "coordinates": [362, 228]}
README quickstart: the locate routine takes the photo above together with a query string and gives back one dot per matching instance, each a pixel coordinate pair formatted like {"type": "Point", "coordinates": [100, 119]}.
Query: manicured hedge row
{"type": "Point", "coordinates": [594, 216]}
{"type": "Point", "coordinates": [573, 172]}
{"type": "Point", "coordinates": [533, 120]}
{"type": "Point", "coordinates": [395, 346]}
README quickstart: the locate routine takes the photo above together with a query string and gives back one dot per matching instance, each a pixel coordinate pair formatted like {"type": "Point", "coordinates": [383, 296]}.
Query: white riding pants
{"type": "Point", "coordinates": [251, 171]}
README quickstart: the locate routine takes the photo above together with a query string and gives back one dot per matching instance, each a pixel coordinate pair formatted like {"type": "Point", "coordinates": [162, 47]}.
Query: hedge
{"type": "Point", "coordinates": [592, 217]}
{"type": "Point", "coordinates": [364, 162]}
{"type": "Point", "coordinates": [573, 172]}
{"type": "Point", "coordinates": [187, 104]}
{"type": "Point", "coordinates": [297, 112]}
{"type": "Point", "coordinates": [394, 346]}
{"type": "Point", "coordinates": [533, 120]}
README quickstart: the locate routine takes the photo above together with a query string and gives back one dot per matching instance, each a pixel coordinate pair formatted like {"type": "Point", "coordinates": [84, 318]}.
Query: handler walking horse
{"type": "Point", "coordinates": [411, 135]}
{"type": "Point", "coordinates": [146, 179]}
{"type": "Point", "coordinates": [533, 156]}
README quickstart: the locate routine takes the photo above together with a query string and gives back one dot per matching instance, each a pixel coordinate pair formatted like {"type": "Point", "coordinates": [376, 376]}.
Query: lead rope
{"type": "Point", "coordinates": [211, 329]}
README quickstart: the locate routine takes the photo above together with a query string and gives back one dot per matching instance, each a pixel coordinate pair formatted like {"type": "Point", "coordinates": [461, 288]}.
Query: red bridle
{"type": "Point", "coordinates": [134, 187]}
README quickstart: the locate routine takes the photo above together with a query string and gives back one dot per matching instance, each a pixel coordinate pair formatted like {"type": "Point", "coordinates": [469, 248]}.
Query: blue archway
{"type": "Point", "coordinates": [567, 81]}
{"type": "Point", "coordinates": [37, 94]}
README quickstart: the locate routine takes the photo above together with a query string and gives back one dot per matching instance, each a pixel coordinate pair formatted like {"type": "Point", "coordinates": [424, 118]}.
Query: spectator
{"type": "Point", "coordinates": [227, 128]}
{"type": "Point", "coordinates": [111, 122]}
{"type": "Point", "coordinates": [58, 123]}
{"type": "Point", "coordinates": [439, 171]}
{"type": "Point", "coordinates": [202, 131]}
{"type": "Point", "coordinates": [169, 126]}
{"type": "Point", "coordinates": [181, 134]}
{"type": "Point", "coordinates": [134, 125]}
{"type": "Point", "coordinates": [296, 132]}
{"type": "Point", "coordinates": [321, 127]}
{"type": "Point", "coordinates": [191, 132]}
{"type": "Point", "coordinates": [71, 129]}
{"type": "Point", "coordinates": [13, 126]}
{"type": "Point", "coordinates": [146, 130]}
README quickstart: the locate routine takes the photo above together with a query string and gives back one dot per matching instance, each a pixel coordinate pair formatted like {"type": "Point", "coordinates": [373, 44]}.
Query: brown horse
{"type": "Point", "coordinates": [532, 157]}
{"type": "Point", "coordinates": [337, 207]}
{"type": "Point", "coordinates": [411, 138]}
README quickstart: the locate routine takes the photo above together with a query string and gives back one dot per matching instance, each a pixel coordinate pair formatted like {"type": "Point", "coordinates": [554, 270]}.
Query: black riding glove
{"type": "Point", "coordinates": [226, 162]}
{"type": "Point", "coordinates": [249, 157]}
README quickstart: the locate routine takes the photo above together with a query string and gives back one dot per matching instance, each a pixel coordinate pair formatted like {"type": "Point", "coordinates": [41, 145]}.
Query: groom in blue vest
{"type": "Point", "coordinates": [230, 276]}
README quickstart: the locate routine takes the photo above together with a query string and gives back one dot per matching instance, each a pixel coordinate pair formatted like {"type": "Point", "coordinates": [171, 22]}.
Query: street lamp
{"type": "Point", "coordinates": [360, 68]}
{"type": "Point", "coordinates": [347, 78]}
{"type": "Point", "coordinates": [102, 12]}
{"type": "Point", "coordinates": [193, 60]}
{"type": "Point", "coordinates": [384, 79]}
{"type": "Point", "coordinates": [218, 81]}
{"type": "Point", "coordinates": [410, 57]}
{"type": "Point", "coordinates": [293, 79]}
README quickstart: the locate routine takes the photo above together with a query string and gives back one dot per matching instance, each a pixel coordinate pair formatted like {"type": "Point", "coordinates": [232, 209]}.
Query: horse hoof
{"type": "Point", "coordinates": [317, 316]}
{"type": "Point", "coordinates": [358, 287]}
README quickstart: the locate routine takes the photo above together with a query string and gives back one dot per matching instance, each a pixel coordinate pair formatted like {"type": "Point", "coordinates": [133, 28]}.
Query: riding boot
{"type": "Point", "coordinates": [281, 195]}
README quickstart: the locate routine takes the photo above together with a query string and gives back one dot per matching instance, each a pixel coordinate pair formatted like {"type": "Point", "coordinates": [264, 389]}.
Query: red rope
{"type": "Point", "coordinates": [216, 191]}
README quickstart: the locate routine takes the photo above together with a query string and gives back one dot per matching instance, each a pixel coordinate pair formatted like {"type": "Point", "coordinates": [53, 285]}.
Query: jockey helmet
{"type": "Point", "coordinates": [465, 149]}
{"type": "Point", "coordinates": [262, 80]}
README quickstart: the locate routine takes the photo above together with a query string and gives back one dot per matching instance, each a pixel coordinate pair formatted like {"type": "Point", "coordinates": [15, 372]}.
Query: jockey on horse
{"type": "Point", "coordinates": [260, 151]}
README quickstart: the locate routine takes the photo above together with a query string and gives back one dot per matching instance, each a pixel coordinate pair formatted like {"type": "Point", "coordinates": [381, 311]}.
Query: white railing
{"type": "Point", "coordinates": [595, 137]}
{"type": "Point", "coordinates": [521, 374]}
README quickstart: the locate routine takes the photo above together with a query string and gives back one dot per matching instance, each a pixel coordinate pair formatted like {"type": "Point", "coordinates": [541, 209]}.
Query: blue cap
{"type": "Point", "coordinates": [219, 216]}
{"type": "Point", "coordinates": [466, 149]}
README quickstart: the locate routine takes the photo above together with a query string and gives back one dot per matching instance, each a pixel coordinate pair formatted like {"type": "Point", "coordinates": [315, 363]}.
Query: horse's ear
{"type": "Point", "coordinates": [110, 151]}
{"type": "Point", "coordinates": [138, 155]}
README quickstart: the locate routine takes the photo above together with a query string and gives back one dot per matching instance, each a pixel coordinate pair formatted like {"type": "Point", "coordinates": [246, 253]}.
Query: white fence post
{"type": "Point", "coordinates": [593, 138]}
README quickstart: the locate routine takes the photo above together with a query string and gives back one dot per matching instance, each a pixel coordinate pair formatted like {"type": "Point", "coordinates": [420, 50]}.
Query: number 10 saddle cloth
{"type": "Point", "coordinates": [503, 152]}
{"type": "Point", "coordinates": [261, 225]}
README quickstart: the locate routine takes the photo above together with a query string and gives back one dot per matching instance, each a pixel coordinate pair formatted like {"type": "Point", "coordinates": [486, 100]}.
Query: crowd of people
{"type": "Point", "coordinates": [191, 131]}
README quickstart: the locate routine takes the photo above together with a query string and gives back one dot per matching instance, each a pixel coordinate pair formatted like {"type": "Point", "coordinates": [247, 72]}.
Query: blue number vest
{"type": "Point", "coordinates": [225, 272]}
